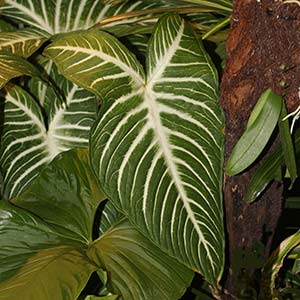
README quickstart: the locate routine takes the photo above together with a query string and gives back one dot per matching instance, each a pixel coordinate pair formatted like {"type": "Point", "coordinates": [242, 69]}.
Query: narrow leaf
{"type": "Point", "coordinates": [13, 66]}
{"type": "Point", "coordinates": [23, 42]}
{"type": "Point", "coordinates": [287, 145]}
{"type": "Point", "coordinates": [157, 147]}
{"type": "Point", "coordinates": [268, 171]}
{"type": "Point", "coordinates": [257, 134]}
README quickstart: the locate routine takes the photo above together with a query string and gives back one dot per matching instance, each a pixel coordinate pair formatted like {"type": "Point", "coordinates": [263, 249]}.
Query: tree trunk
{"type": "Point", "coordinates": [264, 37]}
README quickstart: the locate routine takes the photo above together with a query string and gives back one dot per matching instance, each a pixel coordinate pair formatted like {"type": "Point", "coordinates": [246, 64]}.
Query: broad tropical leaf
{"type": "Point", "coordinates": [44, 257]}
{"type": "Point", "coordinates": [12, 66]}
{"type": "Point", "coordinates": [67, 181]}
{"type": "Point", "coordinates": [137, 269]}
{"type": "Point", "coordinates": [28, 144]}
{"type": "Point", "coordinates": [36, 261]}
{"type": "Point", "coordinates": [157, 147]}
{"type": "Point", "coordinates": [23, 42]}
{"type": "Point", "coordinates": [63, 16]}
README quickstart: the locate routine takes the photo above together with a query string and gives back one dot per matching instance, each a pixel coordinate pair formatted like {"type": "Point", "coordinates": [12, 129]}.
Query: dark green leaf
{"type": "Point", "coordinates": [137, 268]}
{"type": "Point", "coordinates": [37, 262]}
{"type": "Point", "coordinates": [268, 171]}
{"type": "Point", "coordinates": [292, 203]}
{"type": "Point", "coordinates": [44, 257]}
{"type": "Point", "coordinates": [257, 134]}
{"type": "Point", "coordinates": [66, 194]}
{"type": "Point", "coordinates": [287, 145]}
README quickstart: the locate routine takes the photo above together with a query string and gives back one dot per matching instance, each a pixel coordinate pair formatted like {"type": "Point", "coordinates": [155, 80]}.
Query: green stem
{"type": "Point", "coordinates": [216, 28]}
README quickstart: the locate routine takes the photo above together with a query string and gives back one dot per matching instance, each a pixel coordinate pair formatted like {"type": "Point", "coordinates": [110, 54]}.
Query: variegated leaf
{"type": "Point", "coordinates": [44, 93]}
{"type": "Point", "coordinates": [28, 144]}
{"type": "Point", "coordinates": [23, 42]}
{"type": "Point", "coordinates": [157, 147]}
{"type": "Point", "coordinates": [12, 66]}
{"type": "Point", "coordinates": [67, 15]}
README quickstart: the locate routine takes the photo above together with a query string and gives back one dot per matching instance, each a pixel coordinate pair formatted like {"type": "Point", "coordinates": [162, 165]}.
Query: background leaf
{"type": "Point", "coordinates": [268, 171]}
{"type": "Point", "coordinates": [29, 141]}
{"type": "Point", "coordinates": [64, 16]}
{"type": "Point", "coordinates": [274, 264]}
{"type": "Point", "coordinates": [13, 66]}
{"type": "Point", "coordinates": [22, 42]}
{"type": "Point", "coordinates": [287, 145]}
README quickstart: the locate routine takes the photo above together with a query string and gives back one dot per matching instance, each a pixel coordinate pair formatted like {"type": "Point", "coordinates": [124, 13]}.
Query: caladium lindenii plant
{"type": "Point", "coordinates": [155, 147]}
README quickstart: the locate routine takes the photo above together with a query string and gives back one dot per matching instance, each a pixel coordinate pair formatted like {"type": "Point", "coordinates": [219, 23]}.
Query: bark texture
{"type": "Point", "coordinates": [264, 36]}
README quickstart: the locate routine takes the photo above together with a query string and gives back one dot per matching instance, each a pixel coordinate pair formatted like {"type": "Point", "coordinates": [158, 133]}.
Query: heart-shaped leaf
{"type": "Point", "coordinates": [157, 147]}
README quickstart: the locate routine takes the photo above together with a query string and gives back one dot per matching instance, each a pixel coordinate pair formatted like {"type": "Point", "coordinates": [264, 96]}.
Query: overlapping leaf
{"type": "Point", "coordinates": [44, 258]}
{"type": "Point", "coordinates": [23, 42]}
{"type": "Point", "coordinates": [12, 66]}
{"type": "Point", "coordinates": [158, 144]}
{"type": "Point", "coordinates": [63, 16]}
{"type": "Point", "coordinates": [137, 268]}
{"type": "Point", "coordinates": [28, 143]}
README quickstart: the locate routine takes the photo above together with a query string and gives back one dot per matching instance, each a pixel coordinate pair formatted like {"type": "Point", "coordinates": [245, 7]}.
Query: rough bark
{"type": "Point", "coordinates": [264, 35]}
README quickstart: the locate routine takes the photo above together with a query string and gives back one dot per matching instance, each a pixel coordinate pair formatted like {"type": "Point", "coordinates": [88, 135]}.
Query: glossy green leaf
{"type": "Point", "coordinates": [155, 136]}
{"type": "Point", "coordinates": [274, 264]}
{"type": "Point", "coordinates": [287, 145]}
{"type": "Point", "coordinates": [268, 171]}
{"type": "Point", "coordinates": [22, 42]}
{"type": "Point", "coordinates": [137, 269]}
{"type": "Point", "coordinates": [28, 142]}
{"type": "Point", "coordinates": [45, 257]}
{"type": "Point", "coordinates": [65, 184]}
{"type": "Point", "coordinates": [12, 66]}
{"type": "Point", "coordinates": [256, 135]}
